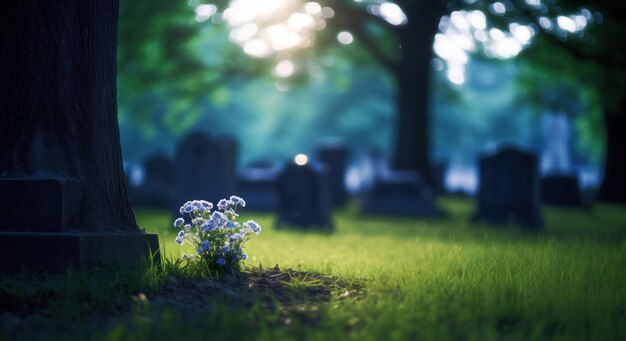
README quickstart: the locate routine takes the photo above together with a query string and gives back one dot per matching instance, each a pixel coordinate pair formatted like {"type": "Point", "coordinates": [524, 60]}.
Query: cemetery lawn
{"type": "Point", "coordinates": [373, 279]}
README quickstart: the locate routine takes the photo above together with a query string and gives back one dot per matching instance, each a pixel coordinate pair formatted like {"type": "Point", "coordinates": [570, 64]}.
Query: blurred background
{"type": "Point", "coordinates": [427, 86]}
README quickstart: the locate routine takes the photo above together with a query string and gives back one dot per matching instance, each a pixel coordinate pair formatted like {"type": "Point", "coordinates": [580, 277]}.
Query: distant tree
{"type": "Point", "coordinates": [600, 64]}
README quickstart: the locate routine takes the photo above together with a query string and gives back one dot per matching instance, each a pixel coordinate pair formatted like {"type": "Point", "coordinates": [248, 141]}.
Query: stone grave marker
{"type": "Point", "coordinates": [400, 193]}
{"type": "Point", "coordinates": [303, 199]}
{"type": "Point", "coordinates": [257, 185]}
{"type": "Point", "coordinates": [557, 135]}
{"type": "Point", "coordinates": [63, 198]}
{"type": "Point", "coordinates": [509, 189]}
{"type": "Point", "coordinates": [561, 190]}
{"type": "Point", "coordinates": [334, 155]}
{"type": "Point", "coordinates": [157, 188]}
{"type": "Point", "coordinates": [205, 168]}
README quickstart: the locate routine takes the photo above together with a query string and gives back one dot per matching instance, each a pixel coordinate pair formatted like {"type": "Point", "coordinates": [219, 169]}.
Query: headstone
{"type": "Point", "coordinates": [509, 189]}
{"type": "Point", "coordinates": [438, 170]}
{"type": "Point", "coordinates": [555, 157]}
{"type": "Point", "coordinates": [334, 154]}
{"type": "Point", "coordinates": [303, 199]}
{"type": "Point", "coordinates": [157, 188]}
{"type": "Point", "coordinates": [257, 185]}
{"type": "Point", "coordinates": [204, 168]}
{"type": "Point", "coordinates": [561, 190]}
{"type": "Point", "coordinates": [39, 205]}
{"type": "Point", "coordinates": [400, 193]}
{"type": "Point", "coordinates": [63, 199]}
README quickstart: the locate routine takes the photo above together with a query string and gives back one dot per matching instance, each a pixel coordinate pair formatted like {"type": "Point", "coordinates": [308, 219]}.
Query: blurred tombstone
{"type": "Point", "coordinates": [561, 190]}
{"type": "Point", "coordinates": [303, 199]}
{"type": "Point", "coordinates": [555, 157]}
{"type": "Point", "coordinates": [378, 162]}
{"type": "Point", "coordinates": [509, 189]}
{"type": "Point", "coordinates": [205, 168]}
{"type": "Point", "coordinates": [400, 193]}
{"type": "Point", "coordinates": [438, 170]}
{"type": "Point", "coordinates": [256, 184]}
{"type": "Point", "coordinates": [157, 188]}
{"type": "Point", "coordinates": [334, 155]}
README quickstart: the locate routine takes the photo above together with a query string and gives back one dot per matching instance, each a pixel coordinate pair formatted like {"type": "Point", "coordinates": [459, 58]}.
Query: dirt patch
{"type": "Point", "coordinates": [287, 293]}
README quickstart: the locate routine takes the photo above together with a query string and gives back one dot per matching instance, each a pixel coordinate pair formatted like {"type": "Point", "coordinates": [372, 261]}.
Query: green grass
{"type": "Point", "coordinates": [420, 279]}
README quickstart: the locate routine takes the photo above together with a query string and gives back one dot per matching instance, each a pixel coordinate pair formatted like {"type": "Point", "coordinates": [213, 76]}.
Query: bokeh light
{"type": "Point", "coordinates": [345, 38]}
{"type": "Point", "coordinates": [301, 159]}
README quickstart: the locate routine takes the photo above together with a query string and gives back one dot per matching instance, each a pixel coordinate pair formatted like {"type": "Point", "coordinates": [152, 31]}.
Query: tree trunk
{"type": "Point", "coordinates": [613, 187]}
{"type": "Point", "coordinates": [412, 138]}
{"type": "Point", "coordinates": [58, 103]}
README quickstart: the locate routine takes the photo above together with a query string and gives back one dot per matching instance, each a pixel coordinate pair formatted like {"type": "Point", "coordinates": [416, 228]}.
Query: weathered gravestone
{"type": "Point", "coordinates": [509, 189]}
{"type": "Point", "coordinates": [205, 168]}
{"type": "Point", "coordinates": [400, 193]}
{"type": "Point", "coordinates": [561, 190]}
{"type": "Point", "coordinates": [438, 170]}
{"type": "Point", "coordinates": [157, 188]}
{"type": "Point", "coordinates": [557, 135]}
{"type": "Point", "coordinates": [257, 185]}
{"type": "Point", "coordinates": [303, 199]}
{"type": "Point", "coordinates": [334, 154]}
{"type": "Point", "coordinates": [63, 198]}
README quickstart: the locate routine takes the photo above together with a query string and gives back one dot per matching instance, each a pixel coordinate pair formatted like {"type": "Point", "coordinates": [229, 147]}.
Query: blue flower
{"type": "Point", "coordinates": [180, 238]}
{"type": "Point", "coordinates": [236, 236]}
{"type": "Point", "coordinates": [220, 261]}
{"type": "Point", "coordinates": [225, 248]}
{"type": "Point", "coordinates": [178, 222]}
{"type": "Point", "coordinates": [187, 227]}
{"type": "Point", "coordinates": [218, 218]}
{"type": "Point", "coordinates": [237, 201]}
{"type": "Point", "coordinates": [230, 224]}
{"type": "Point", "coordinates": [208, 226]}
{"type": "Point", "coordinates": [253, 226]}
{"type": "Point", "coordinates": [198, 221]}
{"type": "Point", "coordinates": [206, 205]}
{"type": "Point", "coordinates": [203, 247]}
{"type": "Point", "coordinates": [188, 208]}
{"type": "Point", "coordinates": [222, 204]}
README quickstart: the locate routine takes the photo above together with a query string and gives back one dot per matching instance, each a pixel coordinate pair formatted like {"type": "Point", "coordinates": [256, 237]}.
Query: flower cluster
{"type": "Point", "coordinates": [216, 235]}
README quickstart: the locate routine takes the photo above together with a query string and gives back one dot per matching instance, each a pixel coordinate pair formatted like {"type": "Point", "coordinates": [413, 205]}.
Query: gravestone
{"type": "Point", "coordinates": [561, 190]}
{"type": "Point", "coordinates": [205, 168]}
{"type": "Point", "coordinates": [63, 198]}
{"type": "Point", "coordinates": [157, 187]}
{"type": "Point", "coordinates": [509, 189]}
{"type": "Point", "coordinates": [334, 154]}
{"type": "Point", "coordinates": [257, 185]}
{"type": "Point", "coordinates": [557, 131]}
{"type": "Point", "coordinates": [400, 193]}
{"type": "Point", "coordinates": [303, 199]}
{"type": "Point", "coordinates": [438, 170]}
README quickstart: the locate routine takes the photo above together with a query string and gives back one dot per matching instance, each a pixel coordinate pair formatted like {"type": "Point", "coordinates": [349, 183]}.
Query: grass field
{"type": "Point", "coordinates": [402, 279]}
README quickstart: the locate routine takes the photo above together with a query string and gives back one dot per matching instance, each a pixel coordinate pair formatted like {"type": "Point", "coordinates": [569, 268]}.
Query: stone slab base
{"type": "Point", "coordinates": [55, 252]}
{"type": "Point", "coordinates": [400, 197]}
{"type": "Point", "coordinates": [400, 204]}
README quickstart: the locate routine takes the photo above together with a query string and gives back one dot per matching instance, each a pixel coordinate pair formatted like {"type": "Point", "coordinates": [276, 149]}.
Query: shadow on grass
{"type": "Point", "coordinates": [124, 301]}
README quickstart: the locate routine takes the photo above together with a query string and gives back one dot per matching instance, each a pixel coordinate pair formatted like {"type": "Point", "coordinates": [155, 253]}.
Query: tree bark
{"type": "Point", "coordinates": [58, 103]}
{"type": "Point", "coordinates": [412, 137]}
{"type": "Point", "coordinates": [613, 188]}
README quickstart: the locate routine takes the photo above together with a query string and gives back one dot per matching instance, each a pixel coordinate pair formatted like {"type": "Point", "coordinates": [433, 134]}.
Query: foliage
{"type": "Point", "coordinates": [217, 237]}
